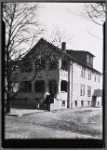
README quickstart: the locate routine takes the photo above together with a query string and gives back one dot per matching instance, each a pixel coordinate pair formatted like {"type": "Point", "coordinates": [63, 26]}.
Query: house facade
{"type": "Point", "coordinates": [67, 74]}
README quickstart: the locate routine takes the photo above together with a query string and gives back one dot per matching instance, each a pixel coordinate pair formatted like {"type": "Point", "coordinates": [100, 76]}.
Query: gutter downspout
{"type": "Point", "coordinates": [70, 85]}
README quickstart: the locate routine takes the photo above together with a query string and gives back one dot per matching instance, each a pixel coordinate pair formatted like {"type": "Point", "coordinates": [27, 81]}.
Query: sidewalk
{"type": "Point", "coordinates": [21, 112]}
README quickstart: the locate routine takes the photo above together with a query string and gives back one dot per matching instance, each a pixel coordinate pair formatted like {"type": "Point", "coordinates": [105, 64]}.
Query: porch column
{"type": "Point", "coordinates": [59, 80]}
{"type": "Point", "coordinates": [70, 84]}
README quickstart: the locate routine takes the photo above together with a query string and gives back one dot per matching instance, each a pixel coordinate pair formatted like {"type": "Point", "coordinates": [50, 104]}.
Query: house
{"type": "Point", "coordinates": [67, 74]}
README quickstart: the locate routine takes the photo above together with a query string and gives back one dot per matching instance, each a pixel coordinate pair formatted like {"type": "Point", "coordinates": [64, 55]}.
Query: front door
{"type": "Point", "coordinates": [52, 87]}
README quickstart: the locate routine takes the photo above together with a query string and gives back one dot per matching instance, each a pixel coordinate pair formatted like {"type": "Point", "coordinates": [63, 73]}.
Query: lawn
{"type": "Point", "coordinates": [64, 123]}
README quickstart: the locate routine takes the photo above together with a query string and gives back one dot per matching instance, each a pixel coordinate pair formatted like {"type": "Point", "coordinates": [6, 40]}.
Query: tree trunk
{"type": "Point", "coordinates": [8, 103]}
{"type": "Point", "coordinates": [8, 106]}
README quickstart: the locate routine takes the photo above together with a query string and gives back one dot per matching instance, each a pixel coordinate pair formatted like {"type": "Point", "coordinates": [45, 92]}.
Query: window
{"type": "Point", "coordinates": [89, 60]}
{"type": "Point", "coordinates": [26, 86]}
{"type": "Point", "coordinates": [63, 103]}
{"type": "Point", "coordinates": [88, 103]}
{"type": "Point", "coordinates": [82, 89]}
{"type": "Point", "coordinates": [82, 103]}
{"type": "Point", "coordinates": [95, 78]}
{"type": "Point", "coordinates": [88, 91]}
{"type": "Point", "coordinates": [99, 79]}
{"type": "Point", "coordinates": [75, 103]}
{"type": "Point", "coordinates": [39, 86]}
{"type": "Point", "coordinates": [52, 87]}
{"type": "Point", "coordinates": [89, 75]}
{"type": "Point", "coordinates": [64, 65]}
{"type": "Point", "coordinates": [64, 85]}
{"type": "Point", "coordinates": [83, 72]}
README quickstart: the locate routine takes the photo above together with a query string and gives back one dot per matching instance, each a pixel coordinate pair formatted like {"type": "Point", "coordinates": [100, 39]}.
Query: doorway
{"type": "Point", "coordinates": [94, 101]}
{"type": "Point", "coordinates": [53, 87]}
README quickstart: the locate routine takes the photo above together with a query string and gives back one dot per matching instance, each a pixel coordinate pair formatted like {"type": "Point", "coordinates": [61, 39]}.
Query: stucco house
{"type": "Point", "coordinates": [68, 74]}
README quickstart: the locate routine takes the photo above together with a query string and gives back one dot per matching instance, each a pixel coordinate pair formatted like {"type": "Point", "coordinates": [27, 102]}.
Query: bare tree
{"type": "Point", "coordinates": [95, 11]}
{"type": "Point", "coordinates": [22, 25]}
{"type": "Point", "coordinates": [22, 30]}
{"type": "Point", "coordinates": [57, 37]}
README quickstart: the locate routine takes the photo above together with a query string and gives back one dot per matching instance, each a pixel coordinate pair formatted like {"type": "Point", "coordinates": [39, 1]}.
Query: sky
{"type": "Point", "coordinates": [85, 34]}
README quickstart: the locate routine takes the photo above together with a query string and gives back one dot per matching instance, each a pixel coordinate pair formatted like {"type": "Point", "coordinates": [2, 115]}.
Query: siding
{"type": "Point", "coordinates": [78, 80]}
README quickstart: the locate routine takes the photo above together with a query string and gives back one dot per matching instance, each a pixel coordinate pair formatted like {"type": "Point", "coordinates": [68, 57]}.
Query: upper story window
{"type": "Point", "coordinates": [89, 75]}
{"type": "Point", "coordinates": [88, 91]}
{"type": "Point", "coordinates": [39, 86]}
{"type": "Point", "coordinates": [82, 89]}
{"type": "Point", "coordinates": [64, 65]}
{"type": "Point", "coordinates": [83, 72]}
{"type": "Point", "coordinates": [90, 60]}
{"type": "Point", "coordinates": [95, 78]}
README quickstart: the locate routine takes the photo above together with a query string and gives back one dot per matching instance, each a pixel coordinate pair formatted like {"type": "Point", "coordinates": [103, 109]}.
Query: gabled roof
{"type": "Point", "coordinates": [60, 51]}
{"type": "Point", "coordinates": [55, 48]}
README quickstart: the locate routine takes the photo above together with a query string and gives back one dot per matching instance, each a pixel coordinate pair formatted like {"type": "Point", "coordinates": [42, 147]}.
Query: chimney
{"type": "Point", "coordinates": [64, 46]}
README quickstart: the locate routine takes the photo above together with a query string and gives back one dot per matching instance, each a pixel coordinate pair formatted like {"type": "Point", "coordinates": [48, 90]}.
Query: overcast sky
{"type": "Point", "coordinates": [85, 34]}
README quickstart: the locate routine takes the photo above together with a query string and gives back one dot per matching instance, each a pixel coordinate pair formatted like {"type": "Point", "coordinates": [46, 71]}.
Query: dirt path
{"type": "Point", "coordinates": [80, 123]}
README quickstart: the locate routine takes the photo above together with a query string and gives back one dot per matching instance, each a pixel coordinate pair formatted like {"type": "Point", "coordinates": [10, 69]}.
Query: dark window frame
{"type": "Point", "coordinates": [82, 103]}
{"type": "Point", "coordinates": [64, 86]}
{"type": "Point", "coordinates": [95, 78]}
{"type": "Point", "coordinates": [83, 72]}
{"type": "Point", "coordinates": [89, 75]}
{"type": "Point", "coordinates": [76, 103]}
{"type": "Point", "coordinates": [63, 103]}
{"type": "Point", "coordinates": [39, 86]}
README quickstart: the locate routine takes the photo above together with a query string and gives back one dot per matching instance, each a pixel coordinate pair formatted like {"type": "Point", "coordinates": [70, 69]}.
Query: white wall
{"type": "Point", "coordinates": [78, 80]}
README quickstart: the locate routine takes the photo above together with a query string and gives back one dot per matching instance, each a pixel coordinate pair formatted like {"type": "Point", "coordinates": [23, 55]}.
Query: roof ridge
{"type": "Point", "coordinates": [84, 51]}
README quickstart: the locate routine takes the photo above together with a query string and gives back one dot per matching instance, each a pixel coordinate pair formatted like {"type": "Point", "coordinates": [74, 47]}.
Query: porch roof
{"type": "Point", "coordinates": [98, 92]}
